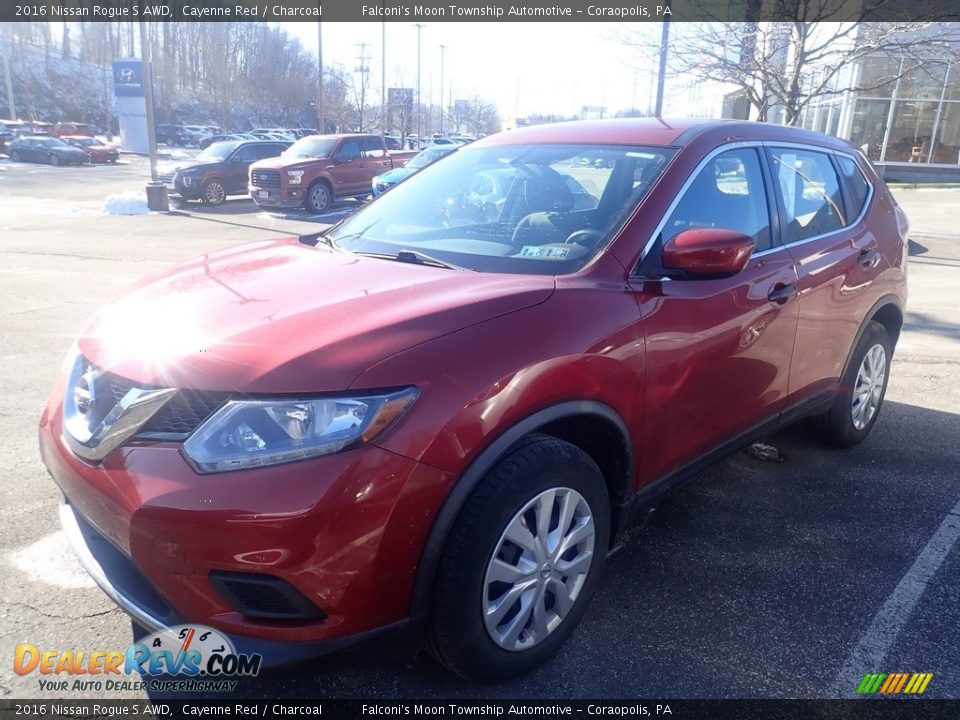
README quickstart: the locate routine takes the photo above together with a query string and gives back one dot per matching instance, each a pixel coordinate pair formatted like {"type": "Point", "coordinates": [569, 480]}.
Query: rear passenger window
{"type": "Point", "coordinates": [856, 185]}
{"type": "Point", "coordinates": [728, 193]}
{"type": "Point", "coordinates": [810, 192]}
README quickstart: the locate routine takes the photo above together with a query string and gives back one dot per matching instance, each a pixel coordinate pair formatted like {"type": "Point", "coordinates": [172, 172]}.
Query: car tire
{"type": "Point", "coordinates": [319, 197]}
{"type": "Point", "coordinates": [54, 160]}
{"type": "Point", "coordinates": [857, 405]}
{"type": "Point", "coordinates": [487, 628]}
{"type": "Point", "coordinates": [213, 192]}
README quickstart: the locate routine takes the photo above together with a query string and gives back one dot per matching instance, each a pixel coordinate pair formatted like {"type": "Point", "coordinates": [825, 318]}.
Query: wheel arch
{"type": "Point", "coordinates": [592, 426]}
{"type": "Point", "coordinates": [889, 313]}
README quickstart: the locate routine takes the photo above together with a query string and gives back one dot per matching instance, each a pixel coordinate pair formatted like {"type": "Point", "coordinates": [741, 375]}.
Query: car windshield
{"type": "Point", "coordinates": [311, 147]}
{"type": "Point", "coordinates": [217, 151]}
{"type": "Point", "coordinates": [540, 209]}
{"type": "Point", "coordinates": [426, 157]}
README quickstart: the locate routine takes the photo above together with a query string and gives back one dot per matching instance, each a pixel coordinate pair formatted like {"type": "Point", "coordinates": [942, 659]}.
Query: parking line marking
{"type": "Point", "coordinates": [892, 617]}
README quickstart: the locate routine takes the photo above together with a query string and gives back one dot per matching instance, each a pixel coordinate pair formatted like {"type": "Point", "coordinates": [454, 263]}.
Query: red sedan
{"type": "Point", "coordinates": [97, 152]}
{"type": "Point", "coordinates": [444, 412]}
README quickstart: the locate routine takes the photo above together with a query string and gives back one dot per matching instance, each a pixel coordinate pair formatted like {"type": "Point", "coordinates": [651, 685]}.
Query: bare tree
{"type": "Point", "coordinates": [792, 65]}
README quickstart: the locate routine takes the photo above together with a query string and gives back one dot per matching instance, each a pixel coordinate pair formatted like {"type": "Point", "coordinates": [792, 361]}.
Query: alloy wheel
{"type": "Point", "coordinates": [868, 388]}
{"type": "Point", "coordinates": [214, 193]}
{"type": "Point", "coordinates": [538, 569]}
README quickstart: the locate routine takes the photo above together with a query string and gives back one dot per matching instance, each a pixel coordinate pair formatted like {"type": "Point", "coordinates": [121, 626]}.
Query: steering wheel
{"type": "Point", "coordinates": [587, 237]}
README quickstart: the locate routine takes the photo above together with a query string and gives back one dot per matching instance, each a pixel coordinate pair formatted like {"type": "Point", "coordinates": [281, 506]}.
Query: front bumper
{"type": "Point", "coordinates": [119, 579]}
{"type": "Point", "coordinates": [346, 531]}
{"type": "Point", "coordinates": [285, 198]}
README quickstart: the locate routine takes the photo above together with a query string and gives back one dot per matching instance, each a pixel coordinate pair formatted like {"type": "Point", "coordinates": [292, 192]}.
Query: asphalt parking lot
{"type": "Point", "coordinates": [757, 579]}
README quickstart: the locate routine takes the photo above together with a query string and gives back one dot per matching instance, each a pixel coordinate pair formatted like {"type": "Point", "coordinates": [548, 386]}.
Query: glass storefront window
{"type": "Point", "coordinates": [911, 131]}
{"type": "Point", "coordinates": [946, 147]}
{"type": "Point", "coordinates": [953, 83]}
{"type": "Point", "coordinates": [879, 76]}
{"type": "Point", "coordinates": [923, 81]}
{"type": "Point", "coordinates": [869, 121]}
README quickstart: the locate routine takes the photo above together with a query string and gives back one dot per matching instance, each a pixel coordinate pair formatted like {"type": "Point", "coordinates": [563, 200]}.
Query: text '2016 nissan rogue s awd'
{"type": "Point", "coordinates": [445, 409]}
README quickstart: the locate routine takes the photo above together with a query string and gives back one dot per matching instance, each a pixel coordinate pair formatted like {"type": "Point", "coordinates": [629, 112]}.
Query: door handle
{"type": "Point", "coordinates": [869, 258]}
{"type": "Point", "coordinates": [781, 293]}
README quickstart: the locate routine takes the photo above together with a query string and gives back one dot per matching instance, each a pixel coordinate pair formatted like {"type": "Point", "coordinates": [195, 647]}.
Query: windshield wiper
{"type": "Point", "coordinates": [413, 256]}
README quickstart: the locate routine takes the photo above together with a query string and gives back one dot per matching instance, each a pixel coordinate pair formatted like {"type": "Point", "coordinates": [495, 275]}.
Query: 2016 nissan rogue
{"type": "Point", "coordinates": [446, 408]}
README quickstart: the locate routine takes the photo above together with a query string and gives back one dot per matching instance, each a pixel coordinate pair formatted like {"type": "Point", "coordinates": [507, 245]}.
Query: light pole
{"type": "Point", "coordinates": [383, 77]}
{"type": "Point", "coordinates": [419, 27]}
{"type": "Point", "coordinates": [321, 115]}
{"type": "Point", "coordinates": [442, 49]}
{"type": "Point", "coordinates": [662, 69]}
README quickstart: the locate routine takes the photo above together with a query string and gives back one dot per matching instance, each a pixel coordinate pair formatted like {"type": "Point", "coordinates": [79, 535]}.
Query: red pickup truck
{"type": "Point", "coordinates": [319, 169]}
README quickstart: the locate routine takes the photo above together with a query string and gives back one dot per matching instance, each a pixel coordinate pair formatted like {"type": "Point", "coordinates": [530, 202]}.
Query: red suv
{"type": "Point", "coordinates": [444, 410]}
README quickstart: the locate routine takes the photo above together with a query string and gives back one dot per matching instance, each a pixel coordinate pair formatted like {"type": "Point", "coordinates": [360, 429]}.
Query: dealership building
{"type": "Point", "coordinates": [903, 113]}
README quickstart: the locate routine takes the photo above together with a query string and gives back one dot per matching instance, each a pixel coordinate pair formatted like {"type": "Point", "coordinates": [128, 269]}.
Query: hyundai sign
{"type": "Point", "coordinates": [127, 78]}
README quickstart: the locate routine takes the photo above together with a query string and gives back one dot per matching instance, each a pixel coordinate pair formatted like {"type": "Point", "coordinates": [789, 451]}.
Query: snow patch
{"type": "Point", "coordinates": [125, 203]}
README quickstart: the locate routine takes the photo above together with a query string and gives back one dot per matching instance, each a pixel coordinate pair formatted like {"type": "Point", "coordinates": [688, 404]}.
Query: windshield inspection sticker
{"type": "Point", "coordinates": [545, 252]}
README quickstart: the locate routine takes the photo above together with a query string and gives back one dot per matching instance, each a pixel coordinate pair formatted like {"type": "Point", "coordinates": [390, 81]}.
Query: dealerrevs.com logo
{"type": "Point", "coordinates": [180, 658]}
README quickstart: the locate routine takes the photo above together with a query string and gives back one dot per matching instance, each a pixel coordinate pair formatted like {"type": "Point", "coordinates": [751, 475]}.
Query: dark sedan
{"type": "Point", "coordinates": [384, 182]}
{"type": "Point", "coordinates": [46, 150]}
{"type": "Point", "coordinates": [217, 171]}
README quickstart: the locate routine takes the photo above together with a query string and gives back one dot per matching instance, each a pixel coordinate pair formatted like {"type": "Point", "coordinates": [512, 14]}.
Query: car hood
{"type": "Point", "coordinates": [396, 175]}
{"type": "Point", "coordinates": [280, 316]}
{"type": "Point", "coordinates": [286, 163]}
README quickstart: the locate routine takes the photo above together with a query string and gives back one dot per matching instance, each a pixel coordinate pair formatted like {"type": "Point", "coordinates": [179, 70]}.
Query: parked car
{"type": "Point", "coordinates": [275, 134]}
{"type": "Point", "coordinates": [414, 422]}
{"type": "Point", "coordinates": [382, 183]}
{"type": "Point", "coordinates": [437, 139]}
{"type": "Point", "coordinates": [97, 152]}
{"type": "Point", "coordinates": [62, 129]}
{"type": "Point", "coordinates": [45, 150]}
{"type": "Point", "coordinates": [6, 135]}
{"type": "Point", "coordinates": [193, 134]}
{"type": "Point", "coordinates": [320, 169]}
{"type": "Point", "coordinates": [170, 135]}
{"type": "Point", "coordinates": [217, 171]}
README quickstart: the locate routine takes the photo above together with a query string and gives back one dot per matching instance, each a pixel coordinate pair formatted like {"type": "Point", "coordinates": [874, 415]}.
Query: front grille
{"type": "Point", "coordinates": [181, 415]}
{"type": "Point", "coordinates": [264, 596]}
{"type": "Point", "coordinates": [265, 178]}
{"type": "Point", "coordinates": [165, 178]}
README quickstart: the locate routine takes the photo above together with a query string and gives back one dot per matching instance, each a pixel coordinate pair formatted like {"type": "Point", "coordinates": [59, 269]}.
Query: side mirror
{"type": "Point", "coordinates": [708, 251]}
{"type": "Point", "coordinates": [236, 159]}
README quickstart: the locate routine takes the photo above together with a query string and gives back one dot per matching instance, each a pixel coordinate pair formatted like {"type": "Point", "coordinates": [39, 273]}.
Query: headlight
{"type": "Point", "coordinates": [186, 180]}
{"type": "Point", "coordinates": [294, 176]}
{"type": "Point", "coordinates": [252, 433]}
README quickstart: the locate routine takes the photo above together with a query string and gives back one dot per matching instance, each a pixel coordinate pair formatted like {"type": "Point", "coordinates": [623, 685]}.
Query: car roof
{"type": "Point", "coordinates": [658, 132]}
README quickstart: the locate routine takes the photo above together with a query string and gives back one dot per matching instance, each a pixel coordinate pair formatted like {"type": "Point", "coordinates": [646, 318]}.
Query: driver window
{"type": "Point", "coordinates": [348, 152]}
{"type": "Point", "coordinates": [728, 193]}
{"type": "Point", "coordinates": [247, 153]}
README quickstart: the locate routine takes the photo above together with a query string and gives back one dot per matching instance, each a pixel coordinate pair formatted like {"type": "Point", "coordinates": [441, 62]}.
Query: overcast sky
{"type": "Point", "coordinates": [524, 67]}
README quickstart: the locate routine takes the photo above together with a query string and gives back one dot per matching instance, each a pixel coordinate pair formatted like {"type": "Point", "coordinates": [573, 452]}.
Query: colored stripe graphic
{"type": "Point", "coordinates": [870, 683]}
{"type": "Point", "coordinates": [894, 683]}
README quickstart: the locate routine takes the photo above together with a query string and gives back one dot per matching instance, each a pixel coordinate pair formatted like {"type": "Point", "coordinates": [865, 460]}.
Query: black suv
{"type": "Point", "coordinates": [217, 171]}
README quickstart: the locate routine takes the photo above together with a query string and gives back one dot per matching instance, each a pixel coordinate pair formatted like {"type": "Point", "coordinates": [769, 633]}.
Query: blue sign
{"type": "Point", "coordinates": [128, 78]}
